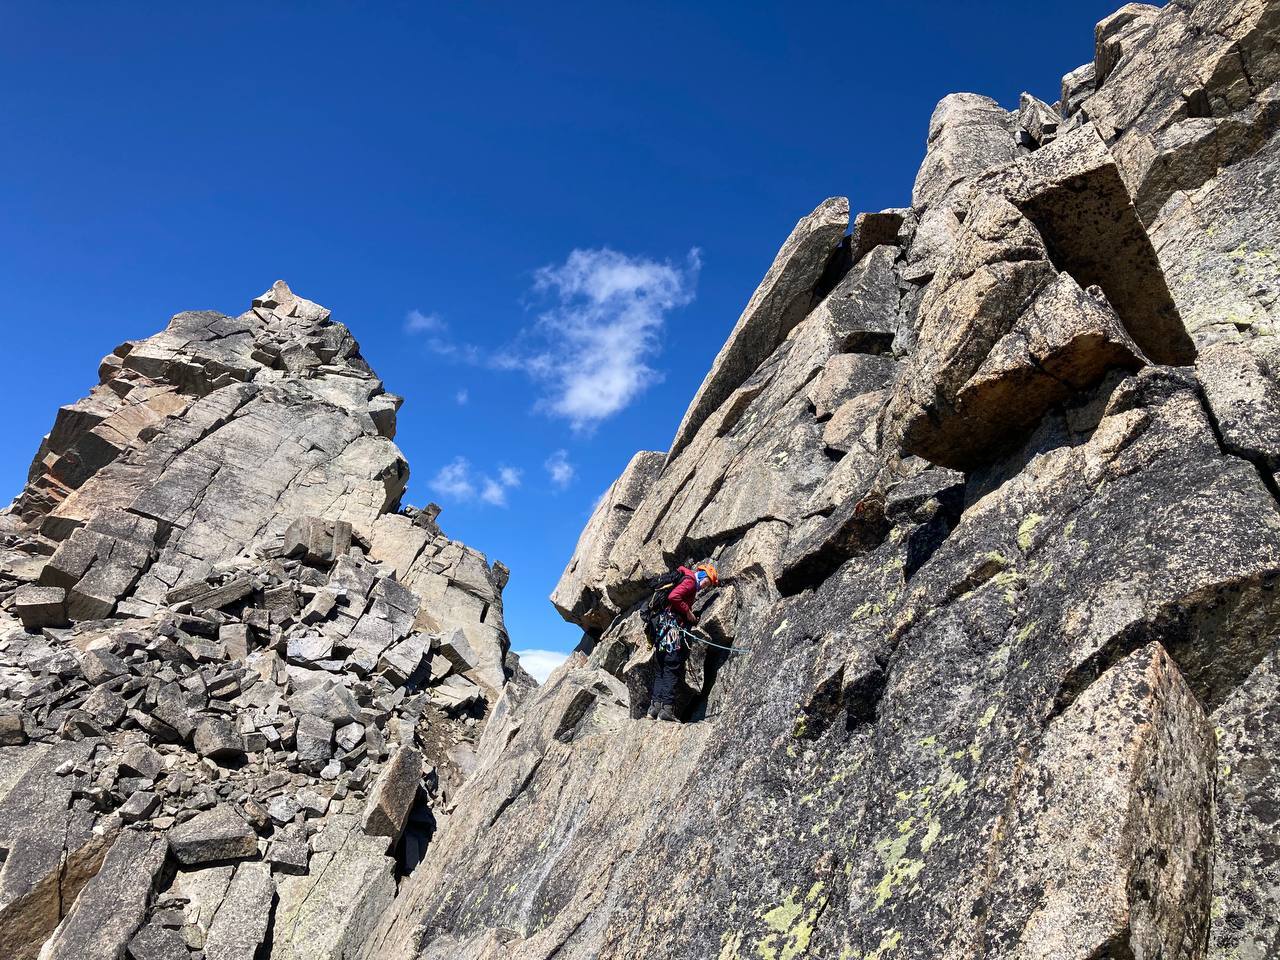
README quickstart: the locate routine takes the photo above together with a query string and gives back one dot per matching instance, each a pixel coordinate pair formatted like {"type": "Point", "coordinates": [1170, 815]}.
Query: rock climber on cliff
{"type": "Point", "coordinates": [672, 647]}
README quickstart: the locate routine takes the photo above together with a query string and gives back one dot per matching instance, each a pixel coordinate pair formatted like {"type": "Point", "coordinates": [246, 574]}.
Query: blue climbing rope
{"type": "Point", "coordinates": [718, 646]}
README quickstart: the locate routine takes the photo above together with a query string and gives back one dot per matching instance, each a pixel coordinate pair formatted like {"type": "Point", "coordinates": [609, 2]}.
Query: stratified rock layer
{"type": "Point", "coordinates": [991, 485]}
{"type": "Point", "coordinates": [996, 520]}
{"type": "Point", "coordinates": [221, 643]}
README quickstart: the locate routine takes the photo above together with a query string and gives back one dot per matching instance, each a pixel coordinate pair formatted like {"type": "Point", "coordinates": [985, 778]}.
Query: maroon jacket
{"type": "Point", "coordinates": [680, 599]}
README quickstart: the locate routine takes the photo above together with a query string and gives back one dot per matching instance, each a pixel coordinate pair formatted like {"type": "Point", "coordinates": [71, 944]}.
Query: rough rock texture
{"type": "Point", "coordinates": [780, 302]}
{"type": "Point", "coordinates": [587, 567]}
{"type": "Point", "coordinates": [218, 629]}
{"type": "Point", "coordinates": [997, 522]}
{"type": "Point", "coordinates": [991, 485]}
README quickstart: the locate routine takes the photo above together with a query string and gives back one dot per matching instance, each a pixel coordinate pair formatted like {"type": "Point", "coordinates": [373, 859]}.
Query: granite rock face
{"type": "Point", "coordinates": [997, 522]}
{"type": "Point", "coordinates": [221, 640]}
{"type": "Point", "coordinates": [991, 484]}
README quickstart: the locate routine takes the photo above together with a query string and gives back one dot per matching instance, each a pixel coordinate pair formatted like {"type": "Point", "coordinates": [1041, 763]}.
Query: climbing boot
{"type": "Point", "coordinates": [666, 713]}
{"type": "Point", "coordinates": [653, 711]}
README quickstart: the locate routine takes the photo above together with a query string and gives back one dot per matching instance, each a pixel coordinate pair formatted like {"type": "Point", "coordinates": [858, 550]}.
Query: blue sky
{"type": "Point", "coordinates": [540, 220]}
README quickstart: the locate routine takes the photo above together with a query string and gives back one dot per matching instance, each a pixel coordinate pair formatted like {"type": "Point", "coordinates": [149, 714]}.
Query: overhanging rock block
{"type": "Point", "coordinates": [1073, 192]}
{"type": "Point", "coordinates": [579, 596]}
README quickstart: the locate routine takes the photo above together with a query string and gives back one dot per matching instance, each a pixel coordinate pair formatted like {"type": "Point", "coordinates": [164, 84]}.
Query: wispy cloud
{"type": "Point", "coordinates": [493, 492]}
{"type": "Point", "coordinates": [462, 396]}
{"type": "Point", "coordinates": [458, 481]}
{"type": "Point", "coordinates": [592, 346]}
{"type": "Point", "coordinates": [454, 480]}
{"type": "Point", "coordinates": [418, 322]}
{"type": "Point", "coordinates": [435, 334]}
{"type": "Point", "coordinates": [560, 469]}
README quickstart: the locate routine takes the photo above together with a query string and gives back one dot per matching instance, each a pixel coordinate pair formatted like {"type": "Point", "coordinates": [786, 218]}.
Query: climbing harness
{"type": "Point", "coordinates": [668, 631]}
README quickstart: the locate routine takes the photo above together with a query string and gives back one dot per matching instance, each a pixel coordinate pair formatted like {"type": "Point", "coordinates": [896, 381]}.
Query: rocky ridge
{"type": "Point", "coordinates": [239, 684]}
{"type": "Point", "coordinates": [991, 479]}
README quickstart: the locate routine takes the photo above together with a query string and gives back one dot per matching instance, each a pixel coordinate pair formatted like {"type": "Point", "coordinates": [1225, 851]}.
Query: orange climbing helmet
{"type": "Point", "coordinates": [709, 570]}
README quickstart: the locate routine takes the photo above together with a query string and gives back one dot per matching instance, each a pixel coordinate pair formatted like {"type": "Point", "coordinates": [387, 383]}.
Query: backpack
{"type": "Point", "coordinates": [656, 605]}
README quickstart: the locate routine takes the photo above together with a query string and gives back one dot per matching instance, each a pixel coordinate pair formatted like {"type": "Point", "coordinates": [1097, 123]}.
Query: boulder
{"type": "Point", "coordinates": [1037, 121]}
{"type": "Point", "coordinates": [332, 909]}
{"type": "Point", "coordinates": [329, 700]}
{"type": "Point", "coordinates": [968, 134]}
{"type": "Point", "coordinates": [155, 942]}
{"type": "Point", "coordinates": [214, 835]}
{"type": "Point", "coordinates": [139, 806]}
{"type": "Point", "coordinates": [12, 733]}
{"type": "Point", "coordinates": [38, 607]}
{"type": "Point", "coordinates": [240, 925]}
{"type": "Point", "coordinates": [999, 266]}
{"type": "Point", "coordinates": [216, 738]}
{"type": "Point", "coordinates": [1126, 772]}
{"type": "Point", "coordinates": [99, 666]}
{"type": "Point", "coordinates": [113, 905]}
{"type": "Point", "coordinates": [864, 305]}
{"type": "Point", "coordinates": [141, 761]}
{"type": "Point", "coordinates": [393, 794]}
{"type": "Point", "coordinates": [314, 739]}
{"type": "Point", "coordinates": [1243, 391]}
{"type": "Point", "coordinates": [1074, 193]}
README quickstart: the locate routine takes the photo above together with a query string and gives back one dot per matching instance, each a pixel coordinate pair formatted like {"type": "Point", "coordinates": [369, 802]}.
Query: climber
{"type": "Point", "coordinates": [672, 648]}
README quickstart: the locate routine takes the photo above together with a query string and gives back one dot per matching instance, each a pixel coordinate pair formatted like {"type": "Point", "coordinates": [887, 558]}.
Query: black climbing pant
{"type": "Point", "coordinates": [668, 671]}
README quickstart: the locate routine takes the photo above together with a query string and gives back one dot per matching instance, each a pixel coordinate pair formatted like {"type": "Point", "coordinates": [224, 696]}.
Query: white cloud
{"type": "Point", "coordinates": [540, 663]}
{"type": "Point", "coordinates": [454, 480]}
{"type": "Point", "coordinates": [462, 396]}
{"type": "Point", "coordinates": [604, 325]}
{"type": "Point", "coordinates": [418, 322]}
{"type": "Point", "coordinates": [458, 481]}
{"type": "Point", "coordinates": [560, 469]}
{"type": "Point", "coordinates": [458, 352]}
{"type": "Point", "coordinates": [493, 492]}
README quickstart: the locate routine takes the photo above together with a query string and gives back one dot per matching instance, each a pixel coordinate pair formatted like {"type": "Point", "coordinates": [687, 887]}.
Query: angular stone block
{"type": "Point", "coordinates": [393, 794]}
{"type": "Point", "coordinates": [216, 834]}
{"type": "Point", "coordinates": [39, 607]}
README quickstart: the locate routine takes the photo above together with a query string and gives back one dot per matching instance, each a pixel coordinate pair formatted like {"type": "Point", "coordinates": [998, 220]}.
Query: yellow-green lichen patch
{"type": "Point", "coordinates": [956, 787]}
{"type": "Point", "coordinates": [888, 944]}
{"type": "Point", "coordinates": [1009, 581]}
{"type": "Point", "coordinates": [930, 835]}
{"type": "Point", "coordinates": [791, 925]}
{"type": "Point", "coordinates": [988, 716]}
{"type": "Point", "coordinates": [1027, 530]}
{"type": "Point", "coordinates": [898, 867]}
